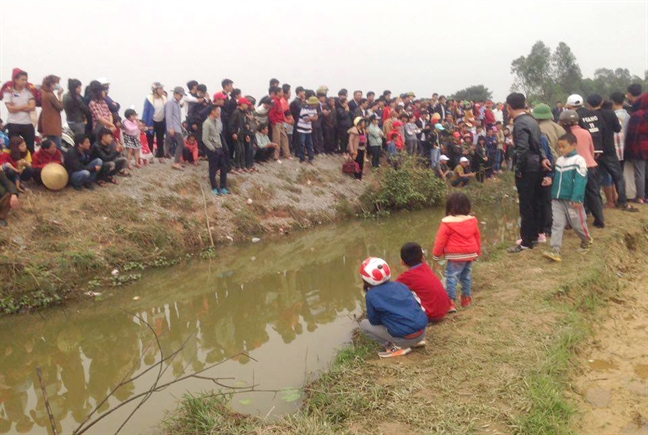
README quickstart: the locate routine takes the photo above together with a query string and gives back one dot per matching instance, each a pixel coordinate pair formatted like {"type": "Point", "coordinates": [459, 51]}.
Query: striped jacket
{"type": "Point", "coordinates": [570, 178]}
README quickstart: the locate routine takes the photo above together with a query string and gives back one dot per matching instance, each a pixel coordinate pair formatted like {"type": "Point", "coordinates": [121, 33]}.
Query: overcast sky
{"type": "Point", "coordinates": [374, 45]}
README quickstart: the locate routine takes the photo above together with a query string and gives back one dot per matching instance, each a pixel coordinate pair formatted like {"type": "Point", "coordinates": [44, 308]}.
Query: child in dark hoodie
{"type": "Point", "coordinates": [459, 241]}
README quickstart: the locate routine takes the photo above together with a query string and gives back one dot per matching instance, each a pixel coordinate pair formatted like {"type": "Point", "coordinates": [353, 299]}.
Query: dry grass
{"type": "Point", "coordinates": [499, 367]}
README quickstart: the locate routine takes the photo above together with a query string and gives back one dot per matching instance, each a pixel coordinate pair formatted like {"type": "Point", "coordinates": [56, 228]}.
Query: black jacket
{"type": "Point", "coordinates": [611, 125]}
{"type": "Point", "coordinates": [75, 109]}
{"type": "Point", "coordinates": [343, 118]}
{"type": "Point", "coordinates": [528, 150]}
{"type": "Point", "coordinates": [105, 153]}
{"type": "Point", "coordinates": [77, 160]}
{"type": "Point", "coordinates": [239, 124]}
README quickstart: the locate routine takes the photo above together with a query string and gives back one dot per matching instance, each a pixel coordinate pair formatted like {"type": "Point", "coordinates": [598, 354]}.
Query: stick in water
{"type": "Point", "coordinates": [47, 405]}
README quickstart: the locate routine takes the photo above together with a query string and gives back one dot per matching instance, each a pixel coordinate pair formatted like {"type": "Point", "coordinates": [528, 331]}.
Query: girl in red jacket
{"type": "Point", "coordinates": [458, 240]}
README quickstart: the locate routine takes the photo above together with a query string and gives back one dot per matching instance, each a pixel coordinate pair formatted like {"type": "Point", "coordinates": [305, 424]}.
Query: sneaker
{"type": "Point", "coordinates": [89, 186]}
{"type": "Point", "coordinates": [3, 223]}
{"type": "Point", "coordinates": [585, 246]}
{"type": "Point", "coordinates": [465, 301]}
{"type": "Point", "coordinates": [552, 255]}
{"type": "Point", "coordinates": [224, 191]}
{"type": "Point", "coordinates": [452, 308]}
{"type": "Point", "coordinates": [394, 351]}
{"type": "Point", "coordinates": [421, 343]}
{"type": "Point", "coordinates": [542, 238]}
{"type": "Point", "coordinates": [517, 249]}
{"type": "Point", "coordinates": [77, 188]}
{"type": "Point", "coordinates": [216, 191]}
{"type": "Point", "coordinates": [599, 224]}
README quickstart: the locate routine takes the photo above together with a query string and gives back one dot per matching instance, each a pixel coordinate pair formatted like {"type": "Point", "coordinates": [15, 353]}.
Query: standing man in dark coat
{"type": "Point", "coordinates": [530, 165]}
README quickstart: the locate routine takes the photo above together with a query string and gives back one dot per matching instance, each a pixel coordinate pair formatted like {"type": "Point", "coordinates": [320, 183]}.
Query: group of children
{"type": "Point", "coordinates": [398, 312]}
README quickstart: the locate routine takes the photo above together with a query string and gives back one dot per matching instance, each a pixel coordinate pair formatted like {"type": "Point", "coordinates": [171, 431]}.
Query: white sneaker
{"type": "Point", "coordinates": [421, 343]}
{"type": "Point", "coordinates": [542, 238]}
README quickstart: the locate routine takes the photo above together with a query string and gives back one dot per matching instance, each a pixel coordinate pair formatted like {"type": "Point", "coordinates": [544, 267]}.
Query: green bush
{"type": "Point", "coordinates": [409, 187]}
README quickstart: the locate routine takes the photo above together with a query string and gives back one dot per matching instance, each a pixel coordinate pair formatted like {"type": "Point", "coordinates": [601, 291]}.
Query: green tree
{"type": "Point", "coordinates": [534, 73]}
{"type": "Point", "coordinates": [567, 75]}
{"type": "Point", "coordinates": [473, 93]}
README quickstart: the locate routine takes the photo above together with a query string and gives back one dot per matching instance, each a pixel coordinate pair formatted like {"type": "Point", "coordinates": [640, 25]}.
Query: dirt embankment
{"type": "Point", "coordinates": [61, 241]}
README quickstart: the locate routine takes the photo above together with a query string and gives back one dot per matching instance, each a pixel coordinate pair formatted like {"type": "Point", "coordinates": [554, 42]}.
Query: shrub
{"type": "Point", "coordinates": [410, 187]}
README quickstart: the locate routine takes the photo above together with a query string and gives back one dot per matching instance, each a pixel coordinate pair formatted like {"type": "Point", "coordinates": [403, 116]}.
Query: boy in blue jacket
{"type": "Point", "coordinates": [567, 193]}
{"type": "Point", "coordinates": [395, 319]}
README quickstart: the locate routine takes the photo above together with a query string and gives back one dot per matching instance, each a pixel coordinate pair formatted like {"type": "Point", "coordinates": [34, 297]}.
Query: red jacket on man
{"type": "Point", "coordinates": [458, 239]}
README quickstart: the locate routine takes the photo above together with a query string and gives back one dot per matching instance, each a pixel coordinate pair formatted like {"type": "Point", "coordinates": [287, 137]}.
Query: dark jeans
{"type": "Point", "coordinates": [26, 174]}
{"type": "Point", "coordinates": [159, 128]}
{"type": "Point", "coordinates": [263, 154]}
{"type": "Point", "coordinates": [360, 161]}
{"type": "Point", "coordinates": [217, 162]}
{"type": "Point", "coordinates": [610, 162]}
{"type": "Point", "coordinates": [545, 212]}
{"type": "Point", "coordinates": [26, 131]}
{"type": "Point", "coordinates": [456, 182]}
{"type": "Point", "coordinates": [375, 155]}
{"type": "Point", "coordinates": [305, 141]}
{"type": "Point", "coordinates": [593, 201]}
{"type": "Point", "coordinates": [342, 139]}
{"type": "Point", "coordinates": [108, 169]}
{"type": "Point", "coordinates": [318, 139]}
{"type": "Point", "coordinates": [330, 145]}
{"type": "Point", "coordinates": [530, 194]}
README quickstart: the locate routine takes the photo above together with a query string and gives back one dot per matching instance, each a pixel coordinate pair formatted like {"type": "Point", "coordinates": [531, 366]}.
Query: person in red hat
{"type": "Point", "coordinates": [20, 97]}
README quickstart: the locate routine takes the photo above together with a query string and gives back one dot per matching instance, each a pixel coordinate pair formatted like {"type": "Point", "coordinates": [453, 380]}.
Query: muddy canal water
{"type": "Point", "coordinates": [288, 302]}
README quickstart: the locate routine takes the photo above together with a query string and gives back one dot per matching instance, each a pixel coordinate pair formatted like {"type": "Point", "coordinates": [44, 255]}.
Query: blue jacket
{"type": "Point", "coordinates": [544, 143]}
{"type": "Point", "coordinates": [393, 305]}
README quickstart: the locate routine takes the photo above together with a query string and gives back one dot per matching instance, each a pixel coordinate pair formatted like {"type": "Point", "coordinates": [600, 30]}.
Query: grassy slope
{"type": "Point", "coordinates": [59, 242]}
{"type": "Point", "coordinates": [499, 367]}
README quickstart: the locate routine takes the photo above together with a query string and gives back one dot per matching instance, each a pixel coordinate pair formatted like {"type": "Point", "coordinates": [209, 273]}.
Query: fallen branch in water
{"type": "Point", "coordinates": [157, 386]}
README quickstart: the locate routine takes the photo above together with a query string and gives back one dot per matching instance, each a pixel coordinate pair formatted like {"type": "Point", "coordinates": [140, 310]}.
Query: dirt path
{"type": "Point", "coordinates": [612, 389]}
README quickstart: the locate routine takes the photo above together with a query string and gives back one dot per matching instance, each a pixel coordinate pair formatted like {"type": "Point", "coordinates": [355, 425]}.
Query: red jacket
{"type": "Point", "coordinates": [458, 239]}
{"type": "Point", "coordinates": [42, 158]}
{"type": "Point", "coordinates": [276, 112]}
{"type": "Point", "coordinates": [424, 283]}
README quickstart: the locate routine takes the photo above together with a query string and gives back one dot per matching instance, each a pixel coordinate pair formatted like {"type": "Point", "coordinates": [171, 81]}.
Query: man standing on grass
{"type": "Point", "coordinates": [173, 117]}
{"type": "Point", "coordinates": [530, 164]}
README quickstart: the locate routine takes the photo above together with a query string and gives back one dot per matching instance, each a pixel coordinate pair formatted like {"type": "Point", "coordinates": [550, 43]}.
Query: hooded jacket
{"type": "Point", "coordinates": [458, 239]}
{"type": "Point", "coordinates": [636, 139]}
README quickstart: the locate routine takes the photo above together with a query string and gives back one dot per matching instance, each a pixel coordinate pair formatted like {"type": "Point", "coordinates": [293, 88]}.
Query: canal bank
{"type": "Point", "coordinates": [60, 245]}
{"type": "Point", "coordinates": [503, 366]}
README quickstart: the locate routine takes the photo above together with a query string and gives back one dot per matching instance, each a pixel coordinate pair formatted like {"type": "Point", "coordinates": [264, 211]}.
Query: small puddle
{"type": "Point", "coordinates": [288, 303]}
{"type": "Point", "coordinates": [601, 365]}
{"type": "Point", "coordinates": [641, 370]}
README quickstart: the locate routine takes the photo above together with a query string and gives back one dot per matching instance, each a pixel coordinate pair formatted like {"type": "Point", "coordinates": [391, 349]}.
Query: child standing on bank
{"type": "Point", "coordinates": [567, 193]}
{"type": "Point", "coordinates": [458, 240]}
{"type": "Point", "coordinates": [131, 134]}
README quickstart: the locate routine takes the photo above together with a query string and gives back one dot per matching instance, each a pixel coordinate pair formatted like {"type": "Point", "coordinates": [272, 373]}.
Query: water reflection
{"type": "Point", "coordinates": [236, 303]}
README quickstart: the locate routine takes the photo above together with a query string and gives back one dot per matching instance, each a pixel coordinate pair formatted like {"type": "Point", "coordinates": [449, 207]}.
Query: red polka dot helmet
{"type": "Point", "coordinates": [375, 271]}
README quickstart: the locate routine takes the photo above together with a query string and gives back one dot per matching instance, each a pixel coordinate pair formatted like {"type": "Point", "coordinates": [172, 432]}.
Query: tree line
{"type": "Point", "coordinates": [549, 76]}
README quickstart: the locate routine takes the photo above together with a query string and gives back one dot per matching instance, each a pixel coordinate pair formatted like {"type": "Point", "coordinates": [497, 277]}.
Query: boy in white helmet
{"type": "Point", "coordinates": [395, 319]}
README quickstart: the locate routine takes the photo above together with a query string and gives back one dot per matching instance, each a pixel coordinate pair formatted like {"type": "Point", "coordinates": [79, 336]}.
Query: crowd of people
{"type": "Point", "coordinates": [460, 140]}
